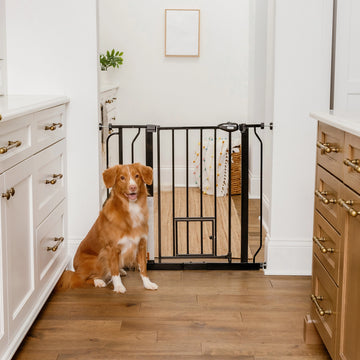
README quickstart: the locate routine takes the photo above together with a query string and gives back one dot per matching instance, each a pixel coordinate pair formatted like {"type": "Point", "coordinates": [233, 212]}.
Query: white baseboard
{"type": "Point", "coordinates": [73, 244]}
{"type": "Point", "coordinates": [288, 256]}
{"type": "Point", "coordinates": [254, 186]}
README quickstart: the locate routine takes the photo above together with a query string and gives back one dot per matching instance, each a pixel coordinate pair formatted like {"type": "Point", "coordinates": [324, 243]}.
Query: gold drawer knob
{"type": "Point", "coordinates": [322, 196]}
{"type": "Point", "coordinates": [315, 299]}
{"type": "Point", "coordinates": [10, 145]}
{"type": "Point", "coordinates": [53, 127]}
{"type": "Point", "coordinates": [59, 240]}
{"type": "Point", "coordinates": [354, 164]}
{"type": "Point", "coordinates": [346, 204]}
{"type": "Point", "coordinates": [323, 249]}
{"type": "Point", "coordinates": [108, 101]}
{"type": "Point", "coordinates": [327, 148]}
{"type": "Point", "coordinates": [54, 179]}
{"type": "Point", "coordinates": [8, 193]}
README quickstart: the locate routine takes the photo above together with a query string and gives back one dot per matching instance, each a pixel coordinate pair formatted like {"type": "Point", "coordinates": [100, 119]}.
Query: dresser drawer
{"type": "Point", "coordinates": [327, 246]}
{"type": "Point", "coordinates": [50, 244]}
{"type": "Point", "coordinates": [49, 126]}
{"type": "Point", "coordinates": [330, 146]}
{"type": "Point", "coordinates": [351, 162]}
{"type": "Point", "coordinates": [15, 141]}
{"type": "Point", "coordinates": [108, 98]}
{"type": "Point", "coordinates": [327, 193]}
{"type": "Point", "coordinates": [324, 305]}
{"type": "Point", "coordinates": [49, 184]}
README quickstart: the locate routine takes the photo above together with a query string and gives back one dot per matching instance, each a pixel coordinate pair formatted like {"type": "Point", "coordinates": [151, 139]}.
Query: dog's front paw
{"type": "Point", "coordinates": [120, 289]}
{"type": "Point", "coordinates": [99, 283]}
{"type": "Point", "coordinates": [148, 284]}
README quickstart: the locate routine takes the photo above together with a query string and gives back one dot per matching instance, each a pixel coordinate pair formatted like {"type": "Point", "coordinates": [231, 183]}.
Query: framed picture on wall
{"type": "Point", "coordinates": [182, 32]}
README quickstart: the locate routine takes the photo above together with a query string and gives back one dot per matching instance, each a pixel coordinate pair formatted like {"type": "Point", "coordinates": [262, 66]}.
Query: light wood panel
{"type": "Point", "coordinates": [195, 315]}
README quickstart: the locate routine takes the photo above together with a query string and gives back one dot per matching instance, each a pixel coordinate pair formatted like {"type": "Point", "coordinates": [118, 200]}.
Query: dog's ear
{"type": "Point", "coordinates": [109, 176]}
{"type": "Point", "coordinates": [146, 173]}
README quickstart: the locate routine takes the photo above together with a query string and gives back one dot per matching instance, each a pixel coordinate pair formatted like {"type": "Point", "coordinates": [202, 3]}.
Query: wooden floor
{"type": "Point", "coordinates": [218, 315]}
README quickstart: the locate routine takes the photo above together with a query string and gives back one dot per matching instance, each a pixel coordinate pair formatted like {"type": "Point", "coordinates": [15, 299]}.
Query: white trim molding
{"type": "Point", "coordinates": [288, 256]}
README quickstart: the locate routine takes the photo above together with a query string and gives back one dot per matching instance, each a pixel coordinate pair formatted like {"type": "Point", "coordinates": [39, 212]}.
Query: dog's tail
{"type": "Point", "coordinates": [71, 280]}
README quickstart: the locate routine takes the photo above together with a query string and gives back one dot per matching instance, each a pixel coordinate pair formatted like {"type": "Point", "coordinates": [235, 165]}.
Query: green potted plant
{"type": "Point", "coordinates": [111, 59]}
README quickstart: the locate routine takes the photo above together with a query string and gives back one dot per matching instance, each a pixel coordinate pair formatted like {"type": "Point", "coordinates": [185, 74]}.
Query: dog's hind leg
{"type": "Point", "coordinates": [141, 260]}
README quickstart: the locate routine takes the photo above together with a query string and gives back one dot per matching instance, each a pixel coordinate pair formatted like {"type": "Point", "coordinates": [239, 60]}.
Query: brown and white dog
{"type": "Point", "coordinates": [118, 237]}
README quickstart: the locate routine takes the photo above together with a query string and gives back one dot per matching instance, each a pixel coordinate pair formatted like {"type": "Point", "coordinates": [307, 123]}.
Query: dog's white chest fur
{"type": "Point", "coordinates": [127, 242]}
{"type": "Point", "coordinates": [136, 214]}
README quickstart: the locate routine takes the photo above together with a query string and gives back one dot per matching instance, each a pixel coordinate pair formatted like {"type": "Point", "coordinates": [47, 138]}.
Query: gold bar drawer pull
{"type": "Point", "coordinates": [315, 299]}
{"type": "Point", "coordinates": [354, 164]}
{"type": "Point", "coordinates": [53, 126]}
{"type": "Point", "coordinates": [346, 204]}
{"type": "Point", "coordinates": [59, 240]}
{"type": "Point", "coordinates": [8, 193]}
{"type": "Point", "coordinates": [54, 179]}
{"type": "Point", "coordinates": [323, 249]}
{"type": "Point", "coordinates": [322, 196]}
{"type": "Point", "coordinates": [327, 148]}
{"type": "Point", "coordinates": [10, 145]}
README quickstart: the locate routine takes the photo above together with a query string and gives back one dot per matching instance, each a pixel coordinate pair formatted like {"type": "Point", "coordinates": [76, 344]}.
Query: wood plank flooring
{"type": "Point", "coordinates": [218, 315]}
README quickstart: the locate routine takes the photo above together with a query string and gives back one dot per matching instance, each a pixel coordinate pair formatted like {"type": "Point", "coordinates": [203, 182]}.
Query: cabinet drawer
{"type": "Point", "coordinates": [351, 163]}
{"type": "Point", "coordinates": [108, 98]}
{"type": "Point", "coordinates": [330, 146]}
{"type": "Point", "coordinates": [349, 344]}
{"type": "Point", "coordinates": [327, 246]}
{"type": "Point", "coordinates": [50, 244]}
{"type": "Point", "coordinates": [324, 306]}
{"type": "Point", "coordinates": [15, 141]}
{"type": "Point", "coordinates": [49, 185]}
{"type": "Point", "coordinates": [327, 193]}
{"type": "Point", "coordinates": [49, 126]}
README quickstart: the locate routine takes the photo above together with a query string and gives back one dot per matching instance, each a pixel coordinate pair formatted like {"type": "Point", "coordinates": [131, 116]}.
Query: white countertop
{"type": "Point", "coordinates": [346, 122]}
{"type": "Point", "coordinates": [12, 106]}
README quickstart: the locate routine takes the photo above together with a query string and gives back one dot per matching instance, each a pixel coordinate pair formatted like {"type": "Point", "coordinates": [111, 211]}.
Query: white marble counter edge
{"type": "Point", "coordinates": [348, 123]}
{"type": "Point", "coordinates": [29, 108]}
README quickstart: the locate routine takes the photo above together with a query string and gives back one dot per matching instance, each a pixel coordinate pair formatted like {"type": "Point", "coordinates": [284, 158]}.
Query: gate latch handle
{"type": "Point", "coordinates": [229, 126]}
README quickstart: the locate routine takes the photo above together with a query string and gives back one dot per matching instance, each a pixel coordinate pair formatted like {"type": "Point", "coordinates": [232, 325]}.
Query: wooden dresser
{"type": "Point", "coordinates": [336, 252]}
{"type": "Point", "coordinates": [33, 244]}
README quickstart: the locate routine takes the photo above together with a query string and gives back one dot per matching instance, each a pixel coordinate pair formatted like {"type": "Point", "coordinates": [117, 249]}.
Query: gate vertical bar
{"type": "Point", "coordinates": [159, 195]}
{"type": "Point", "coordinates": [187, 191]}
{"type": "Point", "coordinates": [261, 193]}
{"type": "Point", "coordinates": [214, 240]}
{"type": "Point", "coordinates": [201, 190]}
{"type": "Point", "coordinates": [244, 192]}
{"type": "Point", "coordinates": [149, 151]}
{"type": "Point", "coordinates": [175, 241]}
{"type": "Point", "coordinates": [120, 142]}
{"type": "Point", "coordinates": [229, 201]}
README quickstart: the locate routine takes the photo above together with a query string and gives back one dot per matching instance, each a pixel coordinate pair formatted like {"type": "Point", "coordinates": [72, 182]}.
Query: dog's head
{"type": "Point", "coordinates": [128, 180]}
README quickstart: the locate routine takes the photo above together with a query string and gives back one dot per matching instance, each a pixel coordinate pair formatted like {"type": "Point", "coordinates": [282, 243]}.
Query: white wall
{"type": "Point", "coordinates": [52, 49]}
{"type": "Point", "coordinates": [258, 31]}
{"type": "Point", "coordinates": [205, 90]}
{"type": "Point", "coordinates": [3, 85]}
{"type": "Point", "coordinates": [347, 63]}
{"type": "Point", "coordinates": [301, 83]}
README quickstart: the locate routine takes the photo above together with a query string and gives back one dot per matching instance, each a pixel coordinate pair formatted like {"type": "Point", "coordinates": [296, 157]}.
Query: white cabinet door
{"type": "Point", "coordinates": [347, 63]}
{"type": "Point", "coordinates": [19, 243]}
{"type": "Point", "coordinates": [3, 303]}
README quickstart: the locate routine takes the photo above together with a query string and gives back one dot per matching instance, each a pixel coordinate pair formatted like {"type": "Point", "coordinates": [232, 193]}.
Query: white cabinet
{"type": "Point", "coordinates": [33, 250]}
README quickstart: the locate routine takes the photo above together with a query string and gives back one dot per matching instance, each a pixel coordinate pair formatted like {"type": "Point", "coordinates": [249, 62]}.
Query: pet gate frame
{"type": "Point", "coordinates": [161, 264]}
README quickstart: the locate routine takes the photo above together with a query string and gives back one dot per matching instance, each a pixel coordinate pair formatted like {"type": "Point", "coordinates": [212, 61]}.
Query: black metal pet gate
{"type": "Point", "coordinates": [207, 255]}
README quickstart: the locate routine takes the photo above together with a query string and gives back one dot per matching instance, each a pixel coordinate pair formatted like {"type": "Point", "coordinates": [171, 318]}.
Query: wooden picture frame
{"type": "Point", "coordinates": [182, 32]}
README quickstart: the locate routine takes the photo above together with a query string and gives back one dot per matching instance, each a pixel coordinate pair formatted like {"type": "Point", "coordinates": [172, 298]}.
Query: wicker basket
{"type": "Point", "coordinates": [236, 171]}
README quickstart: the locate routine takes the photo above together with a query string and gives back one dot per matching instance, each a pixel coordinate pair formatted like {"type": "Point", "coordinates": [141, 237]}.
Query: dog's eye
{"type": "Point", "coordinates": [122, 177]}
{"type": "Point", "coordinates": [136, 176]}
